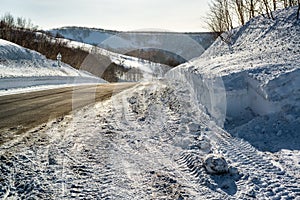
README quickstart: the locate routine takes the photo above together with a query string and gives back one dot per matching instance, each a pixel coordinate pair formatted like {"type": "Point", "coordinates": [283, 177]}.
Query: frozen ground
{"type": "Point", "coordinates": [145, 143]}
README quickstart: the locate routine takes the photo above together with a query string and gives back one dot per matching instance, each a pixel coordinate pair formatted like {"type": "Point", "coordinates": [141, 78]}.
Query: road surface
{"type": "Point", "coordinates": [21, 112]}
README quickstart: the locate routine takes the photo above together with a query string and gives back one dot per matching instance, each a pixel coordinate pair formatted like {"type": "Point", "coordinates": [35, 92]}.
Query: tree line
{"type": "Point", "coordinates": [223, 14]}
{"type": "Point", "coordinates": [24, 33]}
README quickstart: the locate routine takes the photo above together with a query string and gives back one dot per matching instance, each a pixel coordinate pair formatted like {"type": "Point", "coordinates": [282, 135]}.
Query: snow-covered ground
{"type": "Point", "coordinates": [222, 126]}
{"type": "Point", "coordinates": [23, 68]}
{"type": "Point", "coordinates": [149, 142]}
{"type": "Point", "coordinates": [16, 61]}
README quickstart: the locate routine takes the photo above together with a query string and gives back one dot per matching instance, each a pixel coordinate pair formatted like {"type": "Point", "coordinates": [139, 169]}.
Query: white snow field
{"type": "Point", "coordinates": [23, 68]}
{"type": "Point", "coordinates": [223, 126]}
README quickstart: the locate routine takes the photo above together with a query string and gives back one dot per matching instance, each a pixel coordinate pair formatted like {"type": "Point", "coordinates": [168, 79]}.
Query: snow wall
{"type": "Point", "coordinates": [207, 92]}
{"type": "Point", "coordinates": [217, 97]}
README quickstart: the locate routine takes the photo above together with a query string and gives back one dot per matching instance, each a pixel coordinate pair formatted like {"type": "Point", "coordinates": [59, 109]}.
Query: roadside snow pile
{"type": "Point", "coordinates": [16, 61]}
{"type": "Point", "coordinates": [260, 71]}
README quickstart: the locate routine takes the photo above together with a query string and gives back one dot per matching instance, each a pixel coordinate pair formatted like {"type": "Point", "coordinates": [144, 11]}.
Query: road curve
{"type": "Point", "coordinates": [21, 112]}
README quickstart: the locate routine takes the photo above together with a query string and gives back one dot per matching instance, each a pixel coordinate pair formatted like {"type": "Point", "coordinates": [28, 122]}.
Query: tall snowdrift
{"type": "Point", "coordinates": [259, 67]}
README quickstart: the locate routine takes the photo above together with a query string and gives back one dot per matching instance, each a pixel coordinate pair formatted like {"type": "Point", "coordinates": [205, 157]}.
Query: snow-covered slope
{"type": "Point", "coordinates": [85, 35]}
{"type": "Point", "coordinates": [16, 61]}
{"type": "Point", "coordinates": [134, 69]}
{"type": "Point", "coordinates": [255, 74]}
{"type": "Point", "coordinates": [21, 67]}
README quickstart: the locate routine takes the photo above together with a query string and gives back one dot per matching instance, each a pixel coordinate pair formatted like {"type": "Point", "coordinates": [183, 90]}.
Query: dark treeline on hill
{"type": "Point", "coordinates": [24, 33]}
{"type": "Point", "coordinates": [159, 56]}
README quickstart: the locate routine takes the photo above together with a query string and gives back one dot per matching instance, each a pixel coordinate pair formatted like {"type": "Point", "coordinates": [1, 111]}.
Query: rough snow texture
{"type": "Point", "coordinates": [260, 70]}
{"type": "Point", "coordinates": [148, 142]}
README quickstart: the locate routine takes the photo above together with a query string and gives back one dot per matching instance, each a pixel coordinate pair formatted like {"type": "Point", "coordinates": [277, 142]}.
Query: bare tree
{"type": "Point", "coordinates": [240, 10]}
{"type": "Point", "coordinates": [267, 9]}
{"type": "Point", "coordinates": [285, 3]}
{"type": "Point", "coordinates": [252, 12]}
{"type": "Point", "coordinates": [298, 11]}
{"type": "Point", "coordinates": [274, 5]}
{"type": "Point", "coordinates": [219, 19]}
{"type": "Point", "coordinates": [9, 20]}
{"type": "Point", "coordinates": [21, 22]}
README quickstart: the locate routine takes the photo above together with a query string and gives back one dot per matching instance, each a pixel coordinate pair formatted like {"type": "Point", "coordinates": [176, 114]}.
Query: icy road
{"type": "Point", "coordinates": [148, 142]}
{"type": "Point", "coordinates": [21, 112]}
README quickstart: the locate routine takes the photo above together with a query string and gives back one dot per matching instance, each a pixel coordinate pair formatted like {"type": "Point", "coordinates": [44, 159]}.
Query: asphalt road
{"type": "Point", "coordinates": [21, 112]}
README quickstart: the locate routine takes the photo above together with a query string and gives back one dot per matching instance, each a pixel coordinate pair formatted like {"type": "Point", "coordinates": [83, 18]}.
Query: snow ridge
{"type": "Point", "coordinates": [258, 66]}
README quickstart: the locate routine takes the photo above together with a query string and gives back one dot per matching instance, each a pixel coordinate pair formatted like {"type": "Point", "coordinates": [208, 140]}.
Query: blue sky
{"type": "Point", "coordinates": [173, 15]}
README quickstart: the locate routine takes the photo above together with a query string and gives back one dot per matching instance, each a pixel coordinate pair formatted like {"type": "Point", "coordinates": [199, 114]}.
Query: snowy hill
{"type": "Point", "coordinates": [125, 42]}
{"type": "Point", "coordinates": [95, 36]}
{"type": "Point", "coordinates": [83, 34]}
{"type": "Point", "coordinates": [17, 61]}
{"type": "Point", "coordinates": [252, 83]}
{"type": "Point", "coordinates": [118, 67]}
{"type": "Point", "coordinates": [21, 67]}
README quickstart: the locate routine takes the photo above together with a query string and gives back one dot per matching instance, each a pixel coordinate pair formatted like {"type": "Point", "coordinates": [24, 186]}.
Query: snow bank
{"type": "Point", "coordinates": [259, 68]}
{"type": "Point", "coordinates": [206, 91]}
{"type": "Point", "coordinates": [24, 68]}
{"type": "Point", "coordinates": [16, 61]}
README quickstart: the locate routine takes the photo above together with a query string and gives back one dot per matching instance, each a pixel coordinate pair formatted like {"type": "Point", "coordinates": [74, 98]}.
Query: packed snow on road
{"type": "Point", "coordinates": [224, 125]}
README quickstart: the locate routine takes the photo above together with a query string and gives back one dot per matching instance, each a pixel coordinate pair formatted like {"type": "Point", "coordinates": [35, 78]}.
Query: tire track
{"type": "Point", "coordinates": [257, 178]}
{"type": "Point", "coordinates": [269, 181]}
